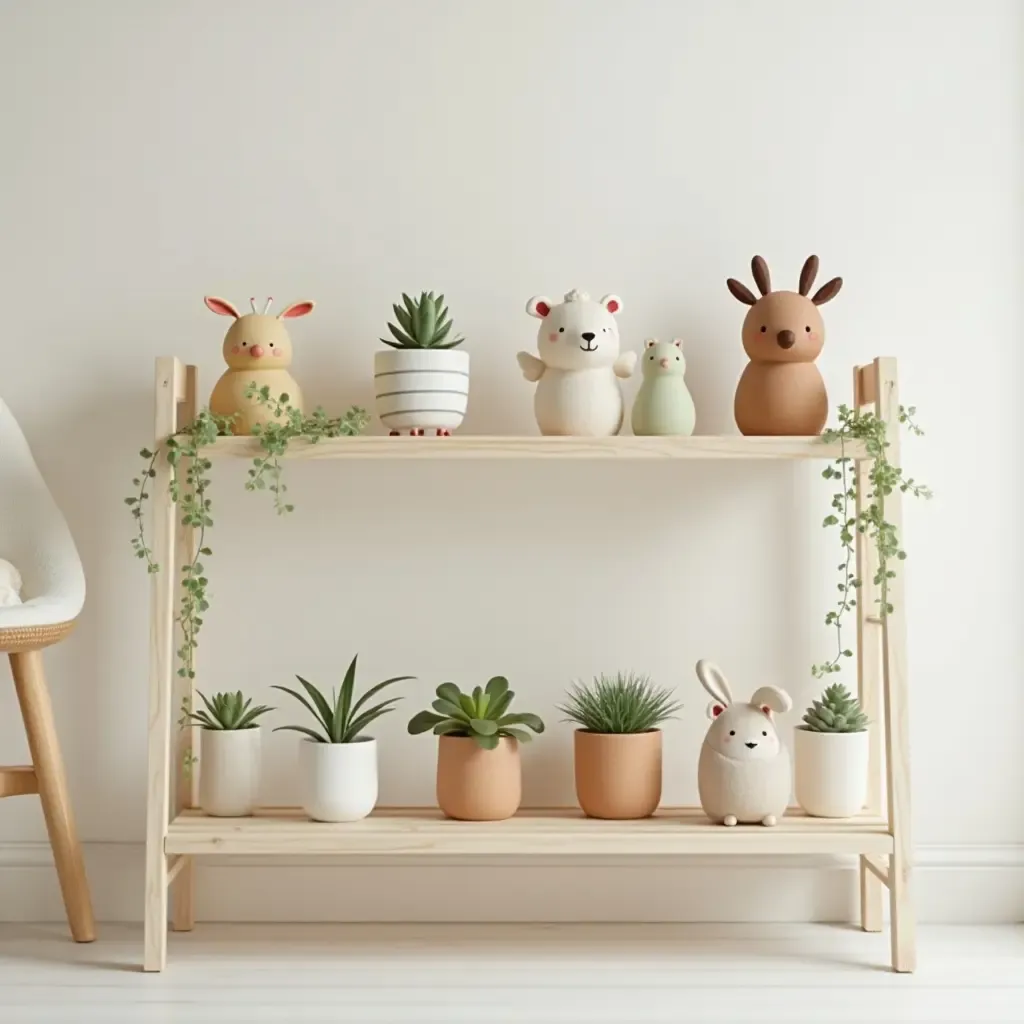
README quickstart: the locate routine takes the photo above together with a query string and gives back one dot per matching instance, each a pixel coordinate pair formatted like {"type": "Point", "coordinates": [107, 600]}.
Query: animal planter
{"type": "Point", "coordinates": [781, 391]}
{"type": "Point", "coordinates": [258, 351]}
{"type": "Point", "coordinates": [663, 404]}
{"type": "Point", "coordinates": [743, 775]}
{"type": "Point", "coordinates": [577, 365]}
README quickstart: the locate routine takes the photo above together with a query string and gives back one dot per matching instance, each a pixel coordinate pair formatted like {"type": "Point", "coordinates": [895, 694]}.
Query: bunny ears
{"type": "Point", "coordinates": [224, 308]}
{"type": "Point", "coordinates": [651, 342]}
{"type": "Point", "coordinates": [767, 698]}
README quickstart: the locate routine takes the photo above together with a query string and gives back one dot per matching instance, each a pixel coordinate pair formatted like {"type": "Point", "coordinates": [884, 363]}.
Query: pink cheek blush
{"type": "Point", "coordinates": [814, 336]}
{"type": "Point", "coordinates": [235, 349]}
{"type": "Point", "coordinates": [553, 337]}
{"type": "Point", "coordinates": [726, 739]}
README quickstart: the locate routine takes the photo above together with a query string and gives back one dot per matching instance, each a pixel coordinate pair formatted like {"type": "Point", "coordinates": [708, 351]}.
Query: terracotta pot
{"type": "Point", "coordinates": [474, 784]}
{"type": "Point", "coordinates": [618, 775]}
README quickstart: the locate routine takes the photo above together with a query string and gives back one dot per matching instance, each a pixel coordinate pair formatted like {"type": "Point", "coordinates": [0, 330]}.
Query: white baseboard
{"type": "Point", "coordinates": [952, 884]}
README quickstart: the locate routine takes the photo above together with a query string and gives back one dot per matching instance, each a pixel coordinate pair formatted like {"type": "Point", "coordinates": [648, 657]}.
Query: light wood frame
{"type": "Point", "coordinates": [880, 837]}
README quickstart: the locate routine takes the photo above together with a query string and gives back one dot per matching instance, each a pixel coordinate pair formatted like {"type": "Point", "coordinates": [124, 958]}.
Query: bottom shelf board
{"type": "Point", "coordinates": [426, 832]}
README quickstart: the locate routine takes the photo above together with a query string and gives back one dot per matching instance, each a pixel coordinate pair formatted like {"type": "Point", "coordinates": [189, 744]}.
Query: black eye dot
{"type": "Point", "coordinates": [763, 329]}
{"type": "Point", "coordinates": [677, 359]}
{"type": "Point", "coordinates": [763, 733]}
{"type": "Point", "coordinates": [807, 329]}
{"type": "Point", "coordinates": [732, 732]}
{"type": "Point", "coordinates": [561, 330]}
{"type": "Point", "coordinates": [650, 357]}
{"type": "Point", "coordinates": [244, 343]}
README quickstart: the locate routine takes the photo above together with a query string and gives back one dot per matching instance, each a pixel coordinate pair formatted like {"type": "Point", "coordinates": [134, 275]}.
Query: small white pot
{"type": "Point", "coordinates": [831, 771]}
{"type": "Point", "coordinates": [421, 388]}
{"type": "Point", "coordinates": [229, 772]}
{"type": "Point", "coordinates": [339, 780]}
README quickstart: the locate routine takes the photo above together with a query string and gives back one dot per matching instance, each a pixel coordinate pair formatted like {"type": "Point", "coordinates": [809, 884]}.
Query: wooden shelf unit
{"type": "Point", "coordinates": [177, 833]}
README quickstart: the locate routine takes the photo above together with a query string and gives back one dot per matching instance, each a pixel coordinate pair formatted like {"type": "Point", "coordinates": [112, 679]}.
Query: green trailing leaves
{"type": "Point", "coordinates": [339, 720]}
{"type": "Point", "coordinates": [189, 487]}
{"type": "Point", "coordinates": [623, 703]}
{"type": "Point", "coordinates": [837, 711]}
{"type": "Point", "coordinates": [480, 714]}
{"type": "Point", "coordinates": [422, 323]}
{"type": "Point", "coordinates": [883, 478]}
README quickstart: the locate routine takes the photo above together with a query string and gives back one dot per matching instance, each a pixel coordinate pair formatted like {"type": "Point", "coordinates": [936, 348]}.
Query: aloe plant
{"type": "Point", "coordinates": [226, 711]}
{"type": "Point", "coordinates": [837, 711]}
{"type": "Point", "coordinates": [482, 715]}
{"type": "Point", "coordinates": [422, 323]}
{"type": "Point", "coordinates": [340, 720]}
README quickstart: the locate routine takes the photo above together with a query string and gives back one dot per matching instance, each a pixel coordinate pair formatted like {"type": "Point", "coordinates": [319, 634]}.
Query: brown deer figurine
{"type": "Point", "coordinates": [781, 391]}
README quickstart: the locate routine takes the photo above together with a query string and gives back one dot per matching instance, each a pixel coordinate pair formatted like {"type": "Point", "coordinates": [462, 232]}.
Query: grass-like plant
{"type": "Point", "coordinates": [623, 703]}
{"type": "Point", "coordinates": [482, 715]}
{"type": "Point", "coordinates": [340, 720]}
{"type": "Point", "coordinates": [837, 711]}
{"type": "Point", "coordinates": [422, 323]}
{"type": "Point", "coordinates": [227, 711]}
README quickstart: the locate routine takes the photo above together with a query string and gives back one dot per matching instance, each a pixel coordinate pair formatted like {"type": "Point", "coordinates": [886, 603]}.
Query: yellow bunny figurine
{"type": "Point", "coordinates": [258, 351]}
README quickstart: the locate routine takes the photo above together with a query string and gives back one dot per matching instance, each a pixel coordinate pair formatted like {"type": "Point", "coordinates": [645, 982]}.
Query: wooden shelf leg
{"type": "Point", "coordinates": [186, 769]}
{"type": "Point", "coordinates": [897, 726]}
{"type": "Point", "coordinates": [37, 712]}
{"type": "Point", "coordinates": [169, 387]}
{"type": "Point", "coordinates": [869, 659]}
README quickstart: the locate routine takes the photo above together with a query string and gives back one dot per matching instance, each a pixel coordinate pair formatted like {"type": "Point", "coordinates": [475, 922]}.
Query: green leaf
{"type": "Point", "coordinates": [449, 726]}
{"type": "Point", "coordinates": [423, 721]}
{"type": "Point", "coordinates": [525, 718]}
{"type": "Point", "coordinates": [344, 702]}
{"type": "Point", "coordinates": [403, 339]}
{"type": "Point", "coordinates": [467, 704]}
{"type": "Point", "coordinates": [450, 710]}
{"type": "Point", "coordinates": [326, 713]}
{"type": "Point", "coordinates": [483, 726]}
{"type": "Point", "coordinates": [376, 689]}
{"type": "Point", "coordinates": [449, 692]}
{"type": "Point", "coordinates": [301, 728]}
{"type": "Point", "coordinates": [496, 686]}
{"type": "Point", "coordinates": [357, 725]}
{"type": "Point", "coordinates": [486, 742]}
{"type": "Point", "coordinates": [517, 734]}
{"type": "Point", "coordinates": [305, 703]}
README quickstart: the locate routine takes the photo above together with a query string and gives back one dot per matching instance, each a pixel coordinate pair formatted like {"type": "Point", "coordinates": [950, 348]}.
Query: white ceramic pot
{"type": "Point", "coordinates": [229, 772]}
{"type": "Point", "coordinates": [339, 780]}
{"type": "Point", "coordinates": [831, 771]}
{"type": "Point", "coordinates": [421, 388]}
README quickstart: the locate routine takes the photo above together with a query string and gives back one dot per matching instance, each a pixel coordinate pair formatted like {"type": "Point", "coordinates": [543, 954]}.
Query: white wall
{"type": "Point", "coordinates": [153, 153]}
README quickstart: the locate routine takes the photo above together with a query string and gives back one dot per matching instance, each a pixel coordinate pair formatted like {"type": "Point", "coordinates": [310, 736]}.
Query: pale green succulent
{"type": "Point", "coordinates": [837, 711]}
{"type": "Point", "coordinates": [422, 323]}
{"type": "Point", "coordinates": [228, 711]}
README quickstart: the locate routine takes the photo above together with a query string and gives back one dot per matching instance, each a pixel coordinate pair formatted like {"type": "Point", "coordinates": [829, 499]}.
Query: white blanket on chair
{"type": "Point", "coordinates": [10, 584]}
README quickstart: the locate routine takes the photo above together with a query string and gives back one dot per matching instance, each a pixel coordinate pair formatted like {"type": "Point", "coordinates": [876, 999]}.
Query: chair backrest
{"type": "Point", "coordinates": [34, 535]}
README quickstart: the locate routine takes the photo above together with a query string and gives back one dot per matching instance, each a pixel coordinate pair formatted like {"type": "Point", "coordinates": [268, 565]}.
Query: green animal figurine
{"type": "Point", "coordinates": [663, 404]}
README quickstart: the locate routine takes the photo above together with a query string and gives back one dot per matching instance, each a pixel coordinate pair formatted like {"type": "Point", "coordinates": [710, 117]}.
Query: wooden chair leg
{"type": "Point", "coordinates": [37, 712]}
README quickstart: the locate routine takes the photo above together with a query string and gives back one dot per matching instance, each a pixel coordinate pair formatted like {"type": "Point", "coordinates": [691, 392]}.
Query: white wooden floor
{"type": "Point", "coordinates": [497, 973]}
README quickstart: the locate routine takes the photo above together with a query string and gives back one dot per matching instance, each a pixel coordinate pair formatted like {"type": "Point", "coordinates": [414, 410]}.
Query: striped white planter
{"type": "Point", "coordinates": [419, 388]}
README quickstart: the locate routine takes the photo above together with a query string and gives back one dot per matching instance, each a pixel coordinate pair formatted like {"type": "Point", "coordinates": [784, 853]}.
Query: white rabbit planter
{"type": "Point", "coordinates": [578, 365]}
{"type": "Point", "coordinates": [744, 774]}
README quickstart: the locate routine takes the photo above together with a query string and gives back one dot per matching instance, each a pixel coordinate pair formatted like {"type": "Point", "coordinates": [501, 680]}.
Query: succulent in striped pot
{"type": "Point", "coordinates": [421, 381]}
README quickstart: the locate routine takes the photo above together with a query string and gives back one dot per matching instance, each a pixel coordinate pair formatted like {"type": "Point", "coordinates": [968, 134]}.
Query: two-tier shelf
{"type": "Point", "coordinates": [177, 833]}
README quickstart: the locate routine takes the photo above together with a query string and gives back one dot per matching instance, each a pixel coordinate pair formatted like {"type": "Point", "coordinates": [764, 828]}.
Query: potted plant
{"type": "Point", "coordinates": [229, 777]}
{"type": "Point", "coordinates": [617, 747]}
{"type": "Point", "coordinates": [479, 775]}
{"type": "Point", "coordinates": [422, 382]}
{"type": "Point", "coordinates": [337, 763]}
{"type": "Point", "coordinates": [831, 755]}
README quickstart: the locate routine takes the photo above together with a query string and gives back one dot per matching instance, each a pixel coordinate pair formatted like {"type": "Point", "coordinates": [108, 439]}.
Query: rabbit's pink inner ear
{"type": "Point", "coordinates": [717, 710]}
{"type": "Point", "coordinates": [220, 306]}
{"type": "Point", "coordinates": [767, 710]}
{"type": "Point", "coordinates": [296, 309]}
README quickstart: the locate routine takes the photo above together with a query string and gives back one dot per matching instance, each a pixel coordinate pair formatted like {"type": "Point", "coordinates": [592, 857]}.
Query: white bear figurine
{"type": "Point", "coordinates": [743, 775]}
{"type": "Point", "coordinates": [579, 361]}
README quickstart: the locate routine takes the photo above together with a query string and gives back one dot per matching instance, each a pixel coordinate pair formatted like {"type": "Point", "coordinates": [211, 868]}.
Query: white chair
{"type": "Point", "coordinates": [35, 538]}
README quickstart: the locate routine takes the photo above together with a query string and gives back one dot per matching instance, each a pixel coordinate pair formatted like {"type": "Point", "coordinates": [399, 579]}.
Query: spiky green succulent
{"type": "Point", "coordinates": [422, 323]}
{"type": "Point", "coordinates": [228, 711]}
{"type": "Point", "coordinates": [623, 703]}
{"type": "Point", "coordinates": [483, 714]}
{"type": "Point", "coordinates": [837, 711]}
{"type": "Point", "coordinates": [340, 720]}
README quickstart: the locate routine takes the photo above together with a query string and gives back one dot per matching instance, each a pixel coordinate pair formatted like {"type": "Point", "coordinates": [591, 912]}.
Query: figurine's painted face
{"type": "Point", "coordinates": [743, 733]}
{"type": "Point", "coordinates": [257, 341]}
{"type": "Point", "coordinates": [577, 334]}
{"type": "Point", "coordinates": [783, 327]}
{"type": "Point", "coordinates": [663, 359]}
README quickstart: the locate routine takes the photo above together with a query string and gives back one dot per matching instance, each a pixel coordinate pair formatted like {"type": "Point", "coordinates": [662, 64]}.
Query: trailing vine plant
{"type": "Point", "coordinates": [190, 493]}
{"type": "Point", "coordinates": [883, 479]}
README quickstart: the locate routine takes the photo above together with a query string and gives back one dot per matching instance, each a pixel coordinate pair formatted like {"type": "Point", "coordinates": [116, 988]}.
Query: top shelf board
{"type": "Point", "coordinates": [461, 446]}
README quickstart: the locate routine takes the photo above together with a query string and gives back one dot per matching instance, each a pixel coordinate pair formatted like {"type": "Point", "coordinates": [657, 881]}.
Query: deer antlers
{"type": "Point", "coordinates": [759, 268]}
